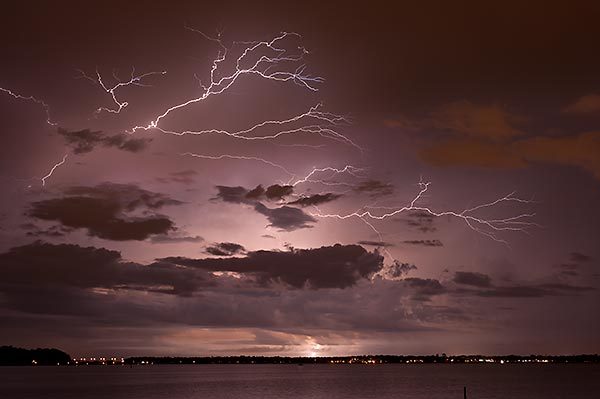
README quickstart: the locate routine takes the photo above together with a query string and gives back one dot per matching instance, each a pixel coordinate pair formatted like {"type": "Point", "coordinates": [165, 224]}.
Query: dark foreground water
{"type": "Point", "coordinates": [545, 381]}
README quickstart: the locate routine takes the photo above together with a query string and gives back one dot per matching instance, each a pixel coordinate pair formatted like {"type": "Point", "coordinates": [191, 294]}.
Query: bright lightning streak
{"type": "Point", "coordinates": [34, 100]}
{"type": "Point", "coordinates": [514, 223]}
{"type": "Point", "coordinates": [134, 80]}
{"type": "Point", "coordinates": [270, 60]}
{"type": "Point", "coordinates": [260, 67]}
{"type": "Point", "coordinates": [49, 121]}
{"type": "Point", "coordinates": [349, 169]}
{"type": "Point", "coordinates": [487, 227]}
{"type": "Point", "coordinates": [266, 66]}
{"type": "Point", "coordinates": [43, 179]}
{"type": "Point", "coordinates": [379, 236]}
{"type": "Point", "coordinates": [269, 67]}
{"type": "Point", "coordinates": [325, 130]}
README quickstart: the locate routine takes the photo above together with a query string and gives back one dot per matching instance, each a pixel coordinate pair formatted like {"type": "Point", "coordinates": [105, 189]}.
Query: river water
{"type": "Point", "coordinates": [427, 381]}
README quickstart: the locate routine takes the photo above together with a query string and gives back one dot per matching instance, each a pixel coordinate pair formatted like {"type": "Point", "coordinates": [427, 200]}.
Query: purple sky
{"type": "Point", "coordinates": [174, 227]}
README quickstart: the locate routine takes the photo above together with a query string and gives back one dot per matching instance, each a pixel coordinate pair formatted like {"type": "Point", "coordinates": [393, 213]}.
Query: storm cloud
{"type": "Point", "coordinates": [86, 140]}
{"type": "Point", "coordinates": [338, 266]}
{"type": "Point", "coordinates": [105, 211]}
{"type": "Point", "coordinates": [315, 199]}
{"type": "Point", "coordinates": [286, 217]}
{"type": "Point", "coordinates": [225, 249]}
{"type": "Point", "coordinates": [73, 266]}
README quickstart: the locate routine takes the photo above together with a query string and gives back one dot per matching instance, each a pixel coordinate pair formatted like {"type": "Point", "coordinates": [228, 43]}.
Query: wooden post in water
{"type": "Point", "coordinates": [465, 392]}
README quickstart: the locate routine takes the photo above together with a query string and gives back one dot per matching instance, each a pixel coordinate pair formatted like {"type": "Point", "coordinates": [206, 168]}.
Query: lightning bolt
{"type": "Point", "coordinates": [325, 130]}
{"type": "Point", "coordinates": [49, 121]}
{"type": "Point", "coordinates": [273, 60]}
{"type": "Point", "coordinates": [484, 226]}
{"type": "Point", "coordinates": [33, 99]}
{"type": "Point", "coordinates": [487, 227]}
{"type": "Point", "coordinates": [349, 169]}
{"type": "Point", "coordinates": [134, 80]}
{"type": "Point", "coordinates": [43, 179]}
{"type": "Point", "coordinates": [269, 63]}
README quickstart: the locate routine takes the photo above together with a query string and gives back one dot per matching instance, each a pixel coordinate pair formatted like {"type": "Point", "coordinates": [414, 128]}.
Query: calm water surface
{"type": "Point", "coordinates": [308, 381]}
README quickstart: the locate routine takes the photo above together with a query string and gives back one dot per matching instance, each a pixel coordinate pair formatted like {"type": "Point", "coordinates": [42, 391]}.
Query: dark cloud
{"type": "Point", "coordinates": [225, 249]}
{"type": "Point", "coordinates": [473, 279]}
{"type": "Point", "coordinates": [130, 196]}
{"type": "Point", "coordinates": [54, 231]}
{"type": "Point", "coordinates": [71, 266]}
{"type": "Point", "coordinates": [277, 192]}
{"type": "Point", "coordinates": [486, 288]}
{"type": "Point", "coordinates": [374, 188]}
{"type": "Point", "coordinates": [576, 262]}
{"type": "Point", "coordinates": [422, 221]}
{"type": "Point", "coordinates": [241, 195]}
{"type": "Point", "coordinates": [400, 269]}
{"type": "Point", "coordinates": [235, 195]}
{"type": "Point", "coordinates": [174, 239]}
{"type": "Point", "coordinates": [46, 233]}
{"type": "Point", "coordinates": [426, 243]}
{"type": "Point", "coordinates": [256, 193]}
{"type": "Point", "coordinates": [221, 302]}
{"type": "Point", "coordinates": [104, 211]}
{"type": "Point", "coordinates": [315, 199]}
{"type": "Point", "coordinates": [338, 266]}
{"type": "Point", "coordinates": [83, 141]}
{"type": "Point", "coordinates": [104, 222]}
{"type": "Point", "coordinates": [375, 243]}
{"type": "Point", "coordinates": [286, 217]}
{"type": "Point", "coordinates": [422, 215]}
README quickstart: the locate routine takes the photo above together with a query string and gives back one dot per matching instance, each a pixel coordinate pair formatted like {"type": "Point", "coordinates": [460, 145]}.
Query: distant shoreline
{"type": "Point", "coordinates": [11, 356]}
{"type": "Point", "coordinates": [366, 359]}
{"type": "Point", "coordinates": [128, 365]}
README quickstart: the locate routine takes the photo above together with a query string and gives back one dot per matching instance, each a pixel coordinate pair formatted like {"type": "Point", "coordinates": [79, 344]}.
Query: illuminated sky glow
{"type": "Point", "coordinates": [330, 180]}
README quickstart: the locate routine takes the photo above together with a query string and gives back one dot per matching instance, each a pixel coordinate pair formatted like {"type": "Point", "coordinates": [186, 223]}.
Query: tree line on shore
{"type": "Point", "coordinates": [12, 356]}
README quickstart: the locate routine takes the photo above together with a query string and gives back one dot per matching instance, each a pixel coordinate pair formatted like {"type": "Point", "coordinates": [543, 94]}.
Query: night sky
{"type": "Point", "coordinates": [415, 178]}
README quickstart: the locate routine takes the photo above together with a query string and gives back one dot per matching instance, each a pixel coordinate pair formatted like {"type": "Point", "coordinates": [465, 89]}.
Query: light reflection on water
{"type": "Point", "coordinates": [308, 381]}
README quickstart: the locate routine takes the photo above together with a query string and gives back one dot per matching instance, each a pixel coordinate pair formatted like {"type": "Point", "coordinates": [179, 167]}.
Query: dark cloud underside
{"type": "Point", "coordinates": [84, 141]}
{"type": "Point", "coordinates": [338, 266]}
{"type": "Point", "coordinates": [104, 211]}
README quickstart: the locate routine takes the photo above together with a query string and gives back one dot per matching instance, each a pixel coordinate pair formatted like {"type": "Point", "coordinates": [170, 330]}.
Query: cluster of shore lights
{"type": "Point", "coordinates": [99, 360]}
{"type": "Point", "coordinates": [355, 361]}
